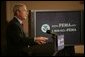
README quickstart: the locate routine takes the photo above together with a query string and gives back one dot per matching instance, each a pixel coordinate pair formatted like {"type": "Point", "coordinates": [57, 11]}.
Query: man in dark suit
{"type": "Point", "coordinates": [16, 39]}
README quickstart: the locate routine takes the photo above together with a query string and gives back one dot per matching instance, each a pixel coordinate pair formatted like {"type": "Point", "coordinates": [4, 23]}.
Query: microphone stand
{"type": "Point", "coordinates": [58, 43]}
{"type": "Point", "coordinates": [55, 42]}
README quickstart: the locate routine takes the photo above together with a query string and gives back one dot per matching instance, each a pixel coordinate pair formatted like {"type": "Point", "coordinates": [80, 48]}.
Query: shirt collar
{"type": "Point", "coordinates": [18, 19]}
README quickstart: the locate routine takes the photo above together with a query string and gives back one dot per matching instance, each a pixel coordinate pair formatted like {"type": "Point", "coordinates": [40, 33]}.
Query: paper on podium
{"type": "Point", "coordinates": [60, 42]}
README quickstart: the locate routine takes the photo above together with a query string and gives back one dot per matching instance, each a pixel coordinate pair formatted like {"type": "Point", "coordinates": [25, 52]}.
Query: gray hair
{"type": "Point", "coordinates": [17, 8]}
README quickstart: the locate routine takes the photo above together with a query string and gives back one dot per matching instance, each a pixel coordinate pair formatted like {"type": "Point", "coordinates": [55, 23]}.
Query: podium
{"type": "Point", "coordinates": [58, 43]}
{"type": "Point", "coordinates": [48, 49]}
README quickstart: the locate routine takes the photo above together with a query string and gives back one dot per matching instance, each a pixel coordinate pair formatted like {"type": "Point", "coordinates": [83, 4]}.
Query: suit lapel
{"type": "Point", "coordinates": [19, 25]}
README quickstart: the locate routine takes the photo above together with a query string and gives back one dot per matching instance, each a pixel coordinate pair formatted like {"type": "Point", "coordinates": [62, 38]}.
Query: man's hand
{"type": "Point", "coordinates": [41, 40]}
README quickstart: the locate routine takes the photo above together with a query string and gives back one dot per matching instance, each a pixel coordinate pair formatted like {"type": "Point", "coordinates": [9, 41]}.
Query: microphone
{"type": "Point", "coordinates": [49, 32]}
{"type": "Point", "coordinates": [54, 36]}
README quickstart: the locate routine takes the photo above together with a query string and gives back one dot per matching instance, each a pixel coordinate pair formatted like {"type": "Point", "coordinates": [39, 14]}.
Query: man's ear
{"type": "Point", "coordinates": [17, 12]}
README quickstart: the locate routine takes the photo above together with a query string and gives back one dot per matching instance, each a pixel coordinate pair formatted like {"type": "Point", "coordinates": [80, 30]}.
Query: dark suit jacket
{"type": "Point", "coordinates": [16, 39]}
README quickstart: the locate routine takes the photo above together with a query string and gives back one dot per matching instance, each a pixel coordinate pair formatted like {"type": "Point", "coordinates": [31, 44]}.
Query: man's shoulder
{"type": "Point", "coordinates": [13, 22]}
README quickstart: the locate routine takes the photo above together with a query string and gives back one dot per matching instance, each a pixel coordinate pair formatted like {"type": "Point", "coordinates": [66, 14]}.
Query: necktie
{"type": "Point", "coordinates": [22, 25]}
{"type": "Point", "coordinates": [22, 29]}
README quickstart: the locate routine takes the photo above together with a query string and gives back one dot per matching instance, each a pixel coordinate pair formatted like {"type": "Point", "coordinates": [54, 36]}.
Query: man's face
{"type": "Point", "coordinates": [22, 13]}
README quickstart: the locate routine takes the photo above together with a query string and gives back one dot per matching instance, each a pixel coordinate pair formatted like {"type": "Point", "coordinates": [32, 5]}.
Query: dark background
{"type": "Point", "coordinates": [56, 17]}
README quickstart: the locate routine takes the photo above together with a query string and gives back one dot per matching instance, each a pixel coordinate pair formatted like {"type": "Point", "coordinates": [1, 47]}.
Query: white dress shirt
{"type": "Point", "coordinates": [18, 19]}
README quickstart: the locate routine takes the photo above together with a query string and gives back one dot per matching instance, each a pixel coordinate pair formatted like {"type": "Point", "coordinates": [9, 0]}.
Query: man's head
{"type": "Point", "coordinates": [20, 11]}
